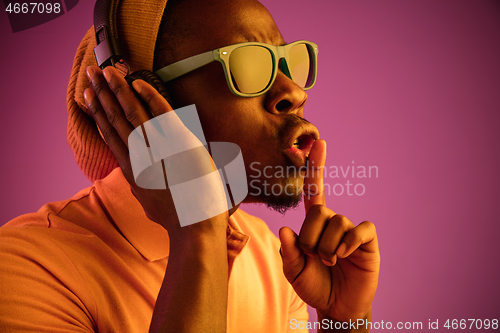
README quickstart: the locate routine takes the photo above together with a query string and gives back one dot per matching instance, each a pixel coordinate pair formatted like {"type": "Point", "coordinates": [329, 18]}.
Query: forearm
{"type": "Point", "coordinates": [359, 326]}
{"type": "Point", "coordinates": [193, 296]}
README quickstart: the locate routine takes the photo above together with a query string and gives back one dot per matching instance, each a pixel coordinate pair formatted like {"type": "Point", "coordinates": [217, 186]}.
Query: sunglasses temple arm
{"type": "Point", "coordinates": [179, 68]}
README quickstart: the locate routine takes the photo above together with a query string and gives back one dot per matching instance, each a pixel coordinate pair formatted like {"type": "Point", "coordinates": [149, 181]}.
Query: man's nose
{"type": "Point", "coordinates": [285, 96]}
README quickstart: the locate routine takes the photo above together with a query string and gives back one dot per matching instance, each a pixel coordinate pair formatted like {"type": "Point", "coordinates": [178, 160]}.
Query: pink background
{"type": "Point", "coordinates": [412, 87]}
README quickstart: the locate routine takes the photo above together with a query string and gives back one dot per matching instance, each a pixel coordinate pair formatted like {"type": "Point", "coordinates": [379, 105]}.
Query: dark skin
{"type": "Point", "coordinates": [332, 264]}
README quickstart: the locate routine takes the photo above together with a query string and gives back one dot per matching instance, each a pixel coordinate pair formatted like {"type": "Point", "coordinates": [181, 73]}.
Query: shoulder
{"type": "Point", "coordinates": [56, 233]}
{"type": "Point", "coordinates": [37, 275]}
{"type": "Point", "coordinates": [43, 237]}
{"type": "Point", "coordinates": [41, 218]}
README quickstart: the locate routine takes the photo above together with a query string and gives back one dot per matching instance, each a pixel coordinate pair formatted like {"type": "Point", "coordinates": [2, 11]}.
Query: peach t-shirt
{"type": "Point", "coordinates": [95, 263]}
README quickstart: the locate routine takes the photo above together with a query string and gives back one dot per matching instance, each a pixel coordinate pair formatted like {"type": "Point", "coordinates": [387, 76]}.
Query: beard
{"type": "Point", "coordinates": [282, 204]}
{"type": "Point", "coordinates": [281, 196]}
{"type": "Point", "coordinates": [284, 191]}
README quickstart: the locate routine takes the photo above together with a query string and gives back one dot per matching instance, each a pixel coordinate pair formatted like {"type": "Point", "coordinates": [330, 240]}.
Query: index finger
{"type": "Point", "coordinates": [314, 190]}
{"type": "Point", "coordinates": [156, 103]}
{"type": "Point", "coordinates": [133, 108]}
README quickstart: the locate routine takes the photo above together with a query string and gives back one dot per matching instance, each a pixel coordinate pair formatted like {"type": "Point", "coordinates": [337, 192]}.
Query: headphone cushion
{"type": "Point", "coordinates": [150, 78]}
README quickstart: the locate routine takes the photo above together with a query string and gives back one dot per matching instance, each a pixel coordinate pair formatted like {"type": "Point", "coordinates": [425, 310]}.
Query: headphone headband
{"type": "Point", "coordinates": [108, 51]}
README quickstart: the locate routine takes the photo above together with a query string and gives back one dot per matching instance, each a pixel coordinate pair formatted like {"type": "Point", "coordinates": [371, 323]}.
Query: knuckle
{"type": "Point", "coordinates": [370, 225]}
{"type": "Point", "coordinates": [112, 116]}
{"type": "Point", "coordinates": [92, 107]}
{"type": "Point", "coordinates": [148, 98]}
{"type": "Point", "coordinates": [356, 238]}
{"type": "Point", "coordinates": [98, 88]}
{"type": "Point", "coordinates": [341, 222]}
{"type": "Point", "coordinates": [95, 107]}
{"type": "Point", "coordinates": [131, 115]}
{"type": "Point", "coordinates": [106, 133]}
{"type": "Point", "coordinates": [341, 217]}
{"type": "Point", "coordinates": [320, 210]}
{"type": "Point", "coordinates": [117, 89]}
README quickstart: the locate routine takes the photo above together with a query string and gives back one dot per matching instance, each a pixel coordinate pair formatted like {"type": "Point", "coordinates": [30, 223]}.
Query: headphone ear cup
{"type": "Point", "coordinates": [153, 80]}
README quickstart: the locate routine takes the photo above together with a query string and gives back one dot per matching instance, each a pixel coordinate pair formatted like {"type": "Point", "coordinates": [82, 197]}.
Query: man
{"type": "Point", "coordinates": [96, 263]}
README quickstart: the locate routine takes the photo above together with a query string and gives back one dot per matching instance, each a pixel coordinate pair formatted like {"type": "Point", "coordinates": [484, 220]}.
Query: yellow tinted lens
{"type": "Point", "coordinates": [251, 68]}
{"type": "Point", "coordinates": [299, 64]}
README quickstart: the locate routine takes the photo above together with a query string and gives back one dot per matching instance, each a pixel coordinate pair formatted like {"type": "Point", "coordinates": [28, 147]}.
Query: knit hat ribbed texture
{"type": "Point", "coordinates": [138, 23]}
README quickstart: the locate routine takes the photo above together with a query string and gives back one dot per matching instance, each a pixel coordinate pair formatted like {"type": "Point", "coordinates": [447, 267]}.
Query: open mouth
{"type": "Point", "coordinates": [304, 144]}
{"type": "Point", "coordinates": [299, 143]}
{"type": "Point", "coordinates": [300, 149]}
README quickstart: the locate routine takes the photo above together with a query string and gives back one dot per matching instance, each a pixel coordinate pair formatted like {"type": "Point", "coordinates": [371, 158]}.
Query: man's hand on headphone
{"type": "Point", "coordinates": [118, 111]}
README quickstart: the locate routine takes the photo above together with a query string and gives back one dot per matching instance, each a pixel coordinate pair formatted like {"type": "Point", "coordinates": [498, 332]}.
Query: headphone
{"type": "Point", "coordinates": [109, 52]}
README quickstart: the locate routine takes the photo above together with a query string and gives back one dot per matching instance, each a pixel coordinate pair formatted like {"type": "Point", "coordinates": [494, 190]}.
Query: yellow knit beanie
{"type": "Point", "coordinates": [138, 22]}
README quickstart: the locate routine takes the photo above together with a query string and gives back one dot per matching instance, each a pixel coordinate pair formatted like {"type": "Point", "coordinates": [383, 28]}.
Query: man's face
{"type": "Point", "coordinates": [264, 127]}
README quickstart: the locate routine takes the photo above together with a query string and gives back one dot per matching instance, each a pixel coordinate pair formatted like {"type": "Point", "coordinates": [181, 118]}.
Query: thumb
{"type": "Point", "coordinates": [292, 256]}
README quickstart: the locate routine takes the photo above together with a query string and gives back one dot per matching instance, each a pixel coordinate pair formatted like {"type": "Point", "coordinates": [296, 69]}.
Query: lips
{"type": "Point", "coordinates": [300, 147]}
{"type": "Point", "coordinates": [304, 143]}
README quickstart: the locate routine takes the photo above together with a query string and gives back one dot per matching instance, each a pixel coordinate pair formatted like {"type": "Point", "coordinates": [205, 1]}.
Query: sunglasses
{"type": "Point", "coordinates": [251, 68]}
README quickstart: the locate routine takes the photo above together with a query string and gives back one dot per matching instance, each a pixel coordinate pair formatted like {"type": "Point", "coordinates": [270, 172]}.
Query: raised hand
{"type": "Point", "coordinates": [118, 111]}
{"type": "Point", "coordinates": [332, 264]}
{"type": "Point", "coordinates": [196, 276]}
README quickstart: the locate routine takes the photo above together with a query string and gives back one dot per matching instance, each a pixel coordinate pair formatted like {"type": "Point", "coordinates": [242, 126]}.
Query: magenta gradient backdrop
{"type": "Point", "coordinates": [412, 87]}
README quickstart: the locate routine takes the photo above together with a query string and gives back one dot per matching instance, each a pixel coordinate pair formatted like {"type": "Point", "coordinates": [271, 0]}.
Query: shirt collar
{"type": "Point", "coordinates": [147, 237]}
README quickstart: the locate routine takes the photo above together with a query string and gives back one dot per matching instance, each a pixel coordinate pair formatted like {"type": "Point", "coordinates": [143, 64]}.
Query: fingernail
{"type": "Point", "coordinates": [90, 73]}
{"type": "Point", "coordinates": [107, 74]}
{"type": "Point", "coordinates": [310, 255]}
{"type": "Point", "coordinates": [341, 249]}
{"type": "Point", "coordinates": [326, 262]}
{"type": "Point", "coordinates": [137, 86]}
{"type": "Point", "coordinates": [86, 97]}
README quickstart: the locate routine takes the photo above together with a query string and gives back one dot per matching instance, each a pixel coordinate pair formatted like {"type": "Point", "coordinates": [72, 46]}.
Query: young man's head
{"type": "Point", "coordinates": [265, 127]}
{"type": "Point", "coordinates": [269, 128]}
